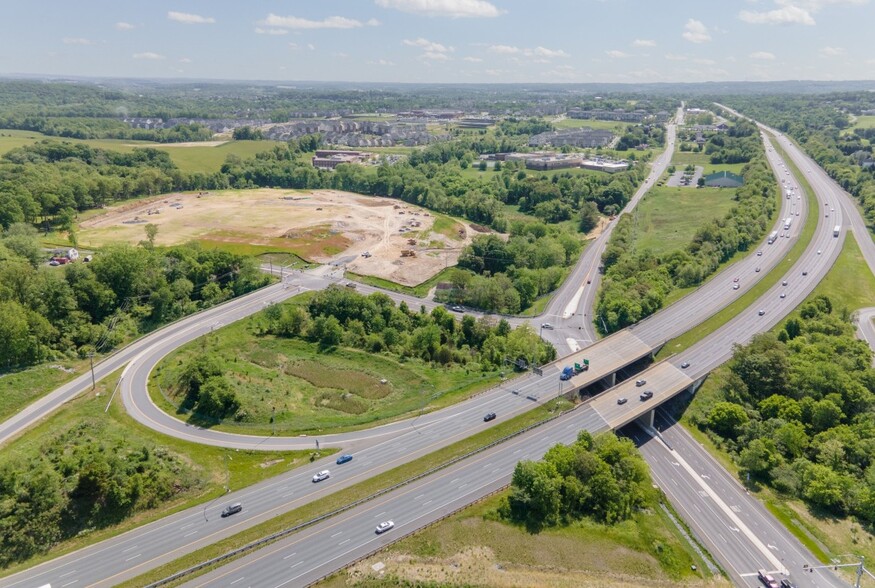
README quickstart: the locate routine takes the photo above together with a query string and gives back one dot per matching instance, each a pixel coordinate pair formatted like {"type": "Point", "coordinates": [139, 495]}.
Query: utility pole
{"type": "Point", "coordinates": [91, 358]}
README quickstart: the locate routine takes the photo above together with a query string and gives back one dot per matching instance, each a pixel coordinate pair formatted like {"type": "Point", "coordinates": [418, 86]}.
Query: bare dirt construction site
{"type": "Point", "coordinates": [369, 235]}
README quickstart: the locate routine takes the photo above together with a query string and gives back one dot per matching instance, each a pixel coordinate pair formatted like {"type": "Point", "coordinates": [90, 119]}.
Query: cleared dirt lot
{"type": "Point", "coordinates": [325, 226]}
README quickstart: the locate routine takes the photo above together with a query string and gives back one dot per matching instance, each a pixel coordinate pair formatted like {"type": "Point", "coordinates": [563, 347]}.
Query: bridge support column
{"type": "Point", "coordinates": [612, 379]}
{"type": "Point", "coordinates": [647, 419]}
{"type": "Point", "coordinates": [694, 387]}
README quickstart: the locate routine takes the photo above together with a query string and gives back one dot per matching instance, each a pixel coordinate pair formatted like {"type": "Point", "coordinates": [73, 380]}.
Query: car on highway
{"type": "Point", "coordinates": [760, 253]}
{"type": "Point", "coordinates": [784, 283]}
{"type": "Point", "coordinates": [818, 251]}
{"type": "Point", "coordinates": [641, 382]}
{"type": "Point", "coordinates": [805, 272]}
{"type": "Point", "coordinates": [622, 400]}
{"type": "Point", "coordinates": [646, 395]}
{"type": "Point", "coordinates": [826, 215]}
{"type": "Point", "coordinates": [735, 286]}
{"type": "Point", "coordinates": [761, 312]}
{"type": "Point", "coordinates": [735, 280]}
{"type": "Point", "coordinates": [685, 365]}
{"type": "Point", "coordinates": [344, 458]}
{"type": "Point", "coordinates": [385, 526]}
{"type": "Point", "coordinates": [488, 416]}
{"type": "Point", "coordinates": [323, 475]}
{"type": "Point", "coordinates": [232, 509]}
{"type": "Point", "coordinates": [786, 583]}
{"type": "Point", "coordinates": [547, 326]}
{"type": "Point", "coordinates": [767, 579]}
{"type": "Point", "coordinates": [757, 269]}
{"type": "Point", "coordinates": [783, 294]}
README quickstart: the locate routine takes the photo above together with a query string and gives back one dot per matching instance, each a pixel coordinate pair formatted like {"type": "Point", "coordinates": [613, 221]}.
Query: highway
{"type": "Point", "coordinates": [460, 423]}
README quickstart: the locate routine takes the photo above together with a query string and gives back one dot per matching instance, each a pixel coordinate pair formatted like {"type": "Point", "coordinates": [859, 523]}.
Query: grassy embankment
{"type": "Point", "coordinates": [214, 468]}
{"type": "Point", "coordinates": [849, 285]}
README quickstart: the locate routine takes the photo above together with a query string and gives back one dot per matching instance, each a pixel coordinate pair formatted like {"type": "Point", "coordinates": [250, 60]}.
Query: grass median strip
{"type": "Point", "coordinates": [716, 321]}
{"type": "Point", "coordinates": [345, 497]}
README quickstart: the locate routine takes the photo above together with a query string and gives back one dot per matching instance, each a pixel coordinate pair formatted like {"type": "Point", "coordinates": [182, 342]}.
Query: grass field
{"type": "Point", "coordinates": [864, 122]}
{"type": "Point", "coordinates": [576, 123]}
{"type": "Point", "coordinates": [189, 157]}
{"type": "Point", "coordinates": [18, 389]}
{"type": "Point", "coordinates": [474, 548]}
{"type": "Point", "coordinates": [849, 285]}
{"type": "Point", "coordinates": [667, 218]}
{"type": "Point", "coordinates": [214, 469]}
{"type": "Point", "coordinates": [305, 389]}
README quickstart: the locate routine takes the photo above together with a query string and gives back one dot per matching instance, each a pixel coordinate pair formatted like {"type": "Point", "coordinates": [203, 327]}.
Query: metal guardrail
{"type": "Point", "coordinates": [291, 530]}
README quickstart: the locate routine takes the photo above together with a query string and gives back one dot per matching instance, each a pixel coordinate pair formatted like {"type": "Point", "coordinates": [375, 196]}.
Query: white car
{"type": "Point", "coordinates": [323, 475]}
{"type": "Point", "coordinates": [547, 326]}
{"type": "Point", "coordinates": [385, 526]}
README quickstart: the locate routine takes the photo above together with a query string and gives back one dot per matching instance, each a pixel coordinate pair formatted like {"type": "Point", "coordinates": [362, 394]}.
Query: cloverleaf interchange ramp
{"type": "Point", "coordinates": [264, 501]}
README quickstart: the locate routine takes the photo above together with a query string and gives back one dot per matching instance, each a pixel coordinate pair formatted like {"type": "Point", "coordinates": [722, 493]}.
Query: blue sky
{"type": "Point", "coordinates": [443, 40]}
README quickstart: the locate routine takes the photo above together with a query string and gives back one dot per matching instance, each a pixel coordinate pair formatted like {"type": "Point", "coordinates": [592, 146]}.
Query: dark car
{"type": "Point", "coordinates": [646, 395]}
{"type": "Point", "coordinates": [786, 583]}
{"type": "Point", "coordinates": [489, 416]}
{"type": "Point", "coordinates": [685, 365]}
{"type": "Point", "coordinates": [232, 509]}
{"type": "Point", "coordinates": [344, 458]}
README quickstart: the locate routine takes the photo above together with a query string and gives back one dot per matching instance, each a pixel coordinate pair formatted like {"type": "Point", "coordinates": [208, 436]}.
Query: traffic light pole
{"type": "Point", "coordinates": [860, 569]}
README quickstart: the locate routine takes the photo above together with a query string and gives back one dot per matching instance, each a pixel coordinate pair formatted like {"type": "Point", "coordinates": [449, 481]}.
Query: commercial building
{"type": "Point", "coordinates": [582, 137]}
{"type": "Point", "coordinates": [330, 159]}
{"type": "Point", "coordinates": [605, 165]}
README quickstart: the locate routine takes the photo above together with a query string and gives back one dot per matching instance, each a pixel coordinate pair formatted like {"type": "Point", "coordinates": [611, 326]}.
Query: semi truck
{"type": "Point", "coordinates": [773, 237]}
{"type": "Point", "coordinates": [836, 231]}
{"type": "Point", "coordinates": [787, 222]}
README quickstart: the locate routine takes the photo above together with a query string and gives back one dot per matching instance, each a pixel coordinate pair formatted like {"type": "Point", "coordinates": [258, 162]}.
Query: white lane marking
{"type": "Point", "coordinates": [344, 541]}
{"type": "Point", "coordinates": [339, 533]}
{"type": "Point", "coordinates": [287, 494]}
{"type": "Point", "coordinates": [67, 574]}
{"type": "Point", "coordinates": [129, 549]}
{"type": "Point", "coordinates": [740, 526]}
{"type": "Point", "coordinates": [572, 304]}
{"type": "Point", "coordinates": [427, 503]}
{"type": "Point", "coordinates": [290, 555]}
{"type": "Point", "coordinates": [295, 564]}
{"type": "Point", "coordinates": [134, 557]}
{"type": "Point", "coordinates": [237, 580]}
{"type": "Point", "coordinates": [190, 534]}
{"type": "Point", "coordinates": [68, 583]}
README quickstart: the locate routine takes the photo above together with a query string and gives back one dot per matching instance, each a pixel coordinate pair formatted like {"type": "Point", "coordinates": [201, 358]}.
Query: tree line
{"type": "Point", "coordinates": [796, 412]}
{"type": "Point", "coordinates": [124, 291]}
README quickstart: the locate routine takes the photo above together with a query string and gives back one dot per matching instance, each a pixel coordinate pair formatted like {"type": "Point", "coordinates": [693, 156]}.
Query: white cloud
{"type": "Point", "coordinates": [148, 55]}
{"type": "Point", "coordinates": [702, 61]}
{"type": "Point", "coordinates": [427, 45]}
{"type": "Point", "coordinates": [784, 15]}
{"type": "Point", "coordinates": [331, 22]}
{"type": "Point", "coordinates": [792, 11]}
{"type": "Point", "coordinates": [311, 46]}
{"type": "Point", "coordinates": [383, 62]}
{"type": "Point", "coordinates": [435, 56]}
{"type": "Point", "coordinates": [504, 49]}
{"type": "Point", "coordinates": [536, 52]}
{"type": "Point", "coordinates": [123, 26]}
{"type": "Point", "coordinates": [696, 32]}
{"type": "Point", "coordinates": [494, 72]}
{"type": "Point", "coordinates": [271, 31]}
{"type": "Point", "coordinates": [186, 18]}
{"type": "Point", "coordinates": [185, 60]}
{"type": "Point", "coordinates": [616, 54]}
{"type": "Point", "coordinates": [77, 41]}
{"type": "Point", "coordinates": [373, 22]}
{"type": "Point", "coordinates": [832, 51]}
{"type": "Point", "coordinates": [544, 52]}
{"type": "Point", "coordinates": [675, 57]}
{"type": "Point", "coordinates": [644, 43]}
{"type": "Point", "coordinates": [449, 8]}
{"type": "Point", "coordinates": [472, 59]}
{"type": "Point", "coordinates": [762, 55]}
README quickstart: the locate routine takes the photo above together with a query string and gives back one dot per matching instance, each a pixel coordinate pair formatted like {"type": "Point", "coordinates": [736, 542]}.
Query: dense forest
{"type": "Point", "coordinates": [637, 282]}
{"type": "Point", "coordinates": [93, 307]}
{"type": "Point", "coordinates": [797, 412]}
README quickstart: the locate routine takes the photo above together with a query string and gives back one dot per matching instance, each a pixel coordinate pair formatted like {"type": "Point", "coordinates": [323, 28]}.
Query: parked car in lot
{"type": "Point", "coordinates": [232, 509]}
{"type": "Point", "coordinates": [646, 395]}
{"type": "Point", "coordinates": [344, 458]}
{"type": "Point", "coordinates": [385, 526]}
{"type": "Point", "coordinates": [488, 416]}
{"type": "Point", "coordinates": [323, 475]}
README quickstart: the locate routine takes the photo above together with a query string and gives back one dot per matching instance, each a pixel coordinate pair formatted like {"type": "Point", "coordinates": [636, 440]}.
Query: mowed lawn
{"type": "Point", "coordinates": [667, 218]}
{"type": "Point", "coordinates": [682, 159]}
{"type": "Point", "coordinates": [864, 122]}
{"type": "Point", "coordinates": [576, 123]}
{"type": "Point", "coordinates": [188, 157]}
